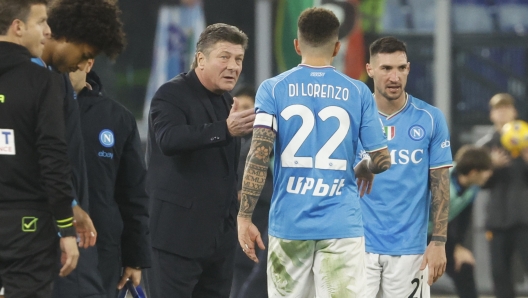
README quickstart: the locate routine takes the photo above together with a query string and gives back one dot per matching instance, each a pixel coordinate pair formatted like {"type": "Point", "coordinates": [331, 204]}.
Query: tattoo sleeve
{"type": "Point", "coordinates": [255, 171]}
{"type": "Point", "coordinates": [439, 181]}
{"type": "Point", "coordinates": [380, 161]}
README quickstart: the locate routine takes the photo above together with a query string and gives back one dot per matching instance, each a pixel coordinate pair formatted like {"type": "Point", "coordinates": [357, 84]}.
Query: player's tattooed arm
{"type": "Point", "coordinates": [380, 161]}
{"type": "Point", "coordinates": [255, 171]}
{"type": "Point", "coordinates": [439, 181]}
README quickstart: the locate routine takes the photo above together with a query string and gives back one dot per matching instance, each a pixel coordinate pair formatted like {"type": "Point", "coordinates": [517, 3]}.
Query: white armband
{"type": "Point", "coordinates": [265, 120]}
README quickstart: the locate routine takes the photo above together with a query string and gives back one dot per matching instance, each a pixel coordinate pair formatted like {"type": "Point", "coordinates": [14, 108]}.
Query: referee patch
{"type": "Point", "coordinates": [7, 142]}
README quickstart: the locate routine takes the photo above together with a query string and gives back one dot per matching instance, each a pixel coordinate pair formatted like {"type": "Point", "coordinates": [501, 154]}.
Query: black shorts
{"type": "Point", "coordinates": [28, 252]}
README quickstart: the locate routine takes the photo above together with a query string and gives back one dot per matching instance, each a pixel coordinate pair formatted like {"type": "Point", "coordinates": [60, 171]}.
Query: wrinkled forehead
{"type": "Point", "coordinates": [226, 46]}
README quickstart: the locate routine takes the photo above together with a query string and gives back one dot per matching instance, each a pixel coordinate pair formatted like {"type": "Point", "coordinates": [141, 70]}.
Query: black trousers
{"type": "Point", "coordinates": [28, 250]}
{"type": "Point", "coordinates": [110, 268]}
{"type": "Point", "coordinates": [172, 275]}
{"type": "Point", "coordinates": [85, 281]}
{"type": "Point", "coordinates": [464, 279]}
{"type": "Point", "coordinates": [250, 278]}
{"type": "Point", "coordinates": [502, 246]}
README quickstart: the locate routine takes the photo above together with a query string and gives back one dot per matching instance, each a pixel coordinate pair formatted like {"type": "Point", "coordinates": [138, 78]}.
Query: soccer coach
{"type": "Point", "coordinates": [192, 157]}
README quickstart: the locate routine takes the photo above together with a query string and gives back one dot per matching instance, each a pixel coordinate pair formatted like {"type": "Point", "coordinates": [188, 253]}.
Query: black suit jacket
{"type": "Point", "coordinates": [191, 175]}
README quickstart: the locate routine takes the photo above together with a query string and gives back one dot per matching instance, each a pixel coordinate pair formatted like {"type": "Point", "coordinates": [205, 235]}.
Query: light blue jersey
{"type": "Point", "coordinates": [396, 212]}
{"type": "Point", "coordinates": [318, 114]}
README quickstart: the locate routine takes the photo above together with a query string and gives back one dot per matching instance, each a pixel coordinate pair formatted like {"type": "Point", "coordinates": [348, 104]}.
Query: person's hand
{"type": "Point", "coordinates": [462, 256]}
{"type": "Point", "coordinates": [500, 158]}
{"type": "Point", "coordinates": [84, 227]}
{"type": "Point", "coordinates": [240, 123]}
{"type": "Point", "coordinates": [69, 255]}
{"type": "Point", "coordinates": [132, 274]}
{"type": "Point", "coordinates": [435, 258]}
{"type": "Point", "coordinates": [364, 177]}
{"type": "Point", "coordinates": [248, 234]}
{"type": "Point", "coordinates": [524, 154]}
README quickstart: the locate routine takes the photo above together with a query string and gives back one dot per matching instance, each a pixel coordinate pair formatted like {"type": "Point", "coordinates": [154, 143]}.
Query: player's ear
{"type": "Point", "coordinates": [200, 59]}
{"type": "Point", "coordinates": [368, 67]}
{"type": "Point", "coordinates": [337, 46]}
{"type": "Point", "coordinates": [408, 66]}
{"type": "Point", "coordinates": [297, 47]}
{"type": "Point", "coordinates": [18, 27]}
{"type": "Point", "coordinates": [89, 64]}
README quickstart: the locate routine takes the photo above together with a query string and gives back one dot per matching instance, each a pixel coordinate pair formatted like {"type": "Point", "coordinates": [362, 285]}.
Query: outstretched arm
{"type": "Point", "coordinates": [254, 177]}
{"type": "Point", "coordinates": [435, 256]}
{"type": "Point", "coordinates": [377, 162]}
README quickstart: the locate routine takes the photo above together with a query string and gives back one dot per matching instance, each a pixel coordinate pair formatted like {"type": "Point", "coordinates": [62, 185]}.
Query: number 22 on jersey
{"type": "Point", "coordinates": [322, 157]}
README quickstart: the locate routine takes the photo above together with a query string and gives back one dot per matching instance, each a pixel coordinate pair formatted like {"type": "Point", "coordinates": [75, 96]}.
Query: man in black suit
{"type": "Point", "coordinates": [192, 157]}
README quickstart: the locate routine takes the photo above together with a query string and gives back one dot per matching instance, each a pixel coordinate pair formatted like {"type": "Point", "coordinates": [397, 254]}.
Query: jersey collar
{"type": "Point", "coordinates": [317, 67]}
{"type": "Point", "coordinates": [398, 111]}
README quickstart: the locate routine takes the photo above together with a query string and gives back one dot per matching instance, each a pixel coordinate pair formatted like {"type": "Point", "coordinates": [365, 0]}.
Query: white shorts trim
{"type": "Point", "coordinates": [396, 276]}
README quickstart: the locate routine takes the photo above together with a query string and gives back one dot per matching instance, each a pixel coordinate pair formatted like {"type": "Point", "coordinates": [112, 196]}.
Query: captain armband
{"type": "Point", "coordinates": [265, 120]}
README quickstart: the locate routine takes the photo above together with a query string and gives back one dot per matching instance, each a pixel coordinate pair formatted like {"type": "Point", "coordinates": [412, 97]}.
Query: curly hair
{"type": "Point", "coordinates": [92, 22]}
{"type": "Point", "coordinates": [317, 26]}
{"type": "Point", "coordinates": [11, 10]}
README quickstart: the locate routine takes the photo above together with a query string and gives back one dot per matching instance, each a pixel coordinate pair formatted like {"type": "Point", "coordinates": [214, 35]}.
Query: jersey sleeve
{"type": "Point", "coordinates": [265, 107]}
{"type": "Point", "coordinates": [371, 132]}
{"type": "Point", "coordinates": [360, 154]}
{"type": "Point", "coordinates": [440, 146]}
{"type": "Point", "coordinates": [265, 100]}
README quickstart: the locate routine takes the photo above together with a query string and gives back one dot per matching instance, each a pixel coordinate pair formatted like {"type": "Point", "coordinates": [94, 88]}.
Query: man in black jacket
{"type": "Point", "coordinates": [36, 193]}
{"type": "Point", "coordinates": [116, 179]}
{"type": "Point", "coordinates": [192, 158]}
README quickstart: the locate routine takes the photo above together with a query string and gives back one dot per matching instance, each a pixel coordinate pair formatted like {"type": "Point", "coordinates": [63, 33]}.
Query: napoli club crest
{"type": "Point", "coordinates": [416, 132]}
{"type": "Point", "coordinates": [106, 138]}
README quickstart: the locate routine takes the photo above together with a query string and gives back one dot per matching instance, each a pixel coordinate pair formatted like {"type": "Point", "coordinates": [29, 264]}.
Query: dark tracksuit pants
{"type": "Point", "coordinates": [502, 246]}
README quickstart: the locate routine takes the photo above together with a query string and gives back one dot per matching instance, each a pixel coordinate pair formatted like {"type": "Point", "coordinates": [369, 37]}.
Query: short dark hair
{"type": "Point", "coordinates": [246, 90]}
{"type": "Point", "coordinates": [92, 22]}
{"type": "Point", "coordinates": [216, 33]}
{"type": "Point", "coordinates": [469, 158]}
{"type": "Point", "coordinates": [11, 10]}
{"type": "Point", "coordinates": [317, 26]}
{"type": "Point", "coordinates": [387, 45]}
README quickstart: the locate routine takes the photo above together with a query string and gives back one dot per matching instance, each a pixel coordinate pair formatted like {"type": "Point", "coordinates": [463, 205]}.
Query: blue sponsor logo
{"type": "Point", "coordinates": [416, 132]}
{"type": "Point", "coordinates": [104, 154]}
{"type": "Point", "coordinates": [106, 137]}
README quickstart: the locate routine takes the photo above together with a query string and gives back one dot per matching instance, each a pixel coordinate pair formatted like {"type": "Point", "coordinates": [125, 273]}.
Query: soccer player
{"type": "Point", "coordinates": [396, 211]}
{"type": "Point", "coordinates": [315, 116]}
